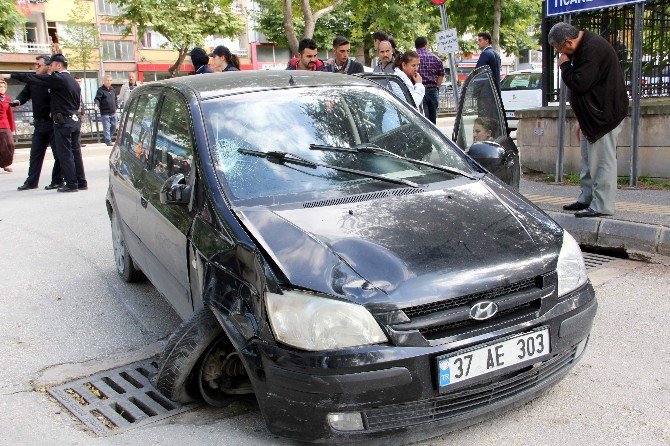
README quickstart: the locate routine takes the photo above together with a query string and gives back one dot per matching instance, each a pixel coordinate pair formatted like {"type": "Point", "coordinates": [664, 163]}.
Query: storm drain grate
{"type": "Point", "coordinates": [117, 400]}
{"type": "Point", "coordinates": [594, 260]}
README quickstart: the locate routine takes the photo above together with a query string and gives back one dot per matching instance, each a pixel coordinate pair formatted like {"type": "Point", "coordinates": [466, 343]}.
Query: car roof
{"type": "Point", "coordinates": [213, 85]}
{"type": "Point", "coordinates": [533, 71]}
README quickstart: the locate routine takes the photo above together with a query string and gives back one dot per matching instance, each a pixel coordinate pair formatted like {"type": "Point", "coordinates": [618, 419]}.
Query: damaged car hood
{"type": "Point", "coordinates": [409, 249]}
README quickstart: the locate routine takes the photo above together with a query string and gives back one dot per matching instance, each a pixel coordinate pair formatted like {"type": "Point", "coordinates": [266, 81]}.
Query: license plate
{"type": "Point", "coordinates": [525, 348]}
{"type": "Point", "coordinates": [509, 114]}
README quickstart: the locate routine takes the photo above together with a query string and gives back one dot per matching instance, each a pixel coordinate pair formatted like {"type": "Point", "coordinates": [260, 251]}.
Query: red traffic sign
{"type": "Point", "coordinates": [438, 2]}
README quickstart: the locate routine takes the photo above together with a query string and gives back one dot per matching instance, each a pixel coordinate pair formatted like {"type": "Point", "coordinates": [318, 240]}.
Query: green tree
{"type": "Point", "coordinates": [80, 41]}
{"type": "Point", "coordinates": [183, 23]}
{"type": "Point", "coordinates": [10, 20]}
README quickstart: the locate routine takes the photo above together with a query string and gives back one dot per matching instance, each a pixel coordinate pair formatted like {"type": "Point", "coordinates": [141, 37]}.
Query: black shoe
{"type": "Point", "coordinates": [53, 186]}
{"type": "Point", "coordinates": [83, 187]}
{"type": "Point", "coordinates": [590, 213]}
{"type": "Point", "coordinates": [68, 189]}
{"type": "Point", "coordinates": [576, 206]}
{"type": "Point", "coordinates": [26, 187]}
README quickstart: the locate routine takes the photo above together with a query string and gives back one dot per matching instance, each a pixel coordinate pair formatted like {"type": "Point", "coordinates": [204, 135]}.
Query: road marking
{"type": "Point", "coordinates": [622, 206]}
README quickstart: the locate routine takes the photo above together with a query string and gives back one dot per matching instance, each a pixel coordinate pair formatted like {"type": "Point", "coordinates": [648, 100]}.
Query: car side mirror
{"type": "Point", "coordinates": [175, 190]}
{"type": "Point", "coordinates": [489, 154]}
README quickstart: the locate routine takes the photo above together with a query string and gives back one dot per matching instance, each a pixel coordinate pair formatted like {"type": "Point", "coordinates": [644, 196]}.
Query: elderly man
{"type": "Point", "coordinates": [127, 88]}
{"type": "Point", "coordinates": [590, 69]}
{"type": "Point", "coordinates": [385, 56]}
{"type": "Point", "coordinates": [342, 63]}
{"type": "Point", "coordinates": [105, 102]}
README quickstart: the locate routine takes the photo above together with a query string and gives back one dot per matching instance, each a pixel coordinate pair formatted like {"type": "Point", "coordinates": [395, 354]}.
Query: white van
{"type": "Point", "coordinates": [520, 90]}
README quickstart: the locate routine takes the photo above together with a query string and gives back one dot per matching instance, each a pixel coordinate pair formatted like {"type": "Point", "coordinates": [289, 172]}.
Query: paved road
{"type": "Point", "coordinates": [66, 314]}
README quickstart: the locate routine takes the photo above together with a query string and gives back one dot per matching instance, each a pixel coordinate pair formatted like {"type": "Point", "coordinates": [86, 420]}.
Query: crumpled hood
{"type": "Point", "coordinates": [411, 249]}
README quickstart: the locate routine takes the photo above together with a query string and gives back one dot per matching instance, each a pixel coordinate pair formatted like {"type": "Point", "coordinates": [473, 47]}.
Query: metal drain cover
{"type": "Point", "coordinates": [117, 400]}
{"type": "Point", "coordinates": [593, 260]}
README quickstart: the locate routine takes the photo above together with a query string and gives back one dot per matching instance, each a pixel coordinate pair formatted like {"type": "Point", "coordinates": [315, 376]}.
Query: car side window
{"type": "Point", "coordinates": [173, 152]}
{"type": "Point", "coordinates": [142, 128]}
{"type": "Point", "coordinates": [126, 139]}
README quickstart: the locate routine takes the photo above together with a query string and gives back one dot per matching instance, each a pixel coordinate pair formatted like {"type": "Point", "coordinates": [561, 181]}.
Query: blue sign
{"type": "Point", "coordinates": [560, 7]}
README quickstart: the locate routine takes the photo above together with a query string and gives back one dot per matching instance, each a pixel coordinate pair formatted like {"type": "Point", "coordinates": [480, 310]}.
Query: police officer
{"type": "Point", "coordinates": [43, 133]}
{"type": "Point", "coordinates": [65, 102]}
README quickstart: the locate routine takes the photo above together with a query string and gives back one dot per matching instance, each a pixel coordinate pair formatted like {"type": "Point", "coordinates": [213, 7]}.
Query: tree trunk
{"type": "Point", "coordinates": [174, 69]}
{"type": "Point", "coordinates": [497, 13]}
{"type": "Point", "coordinates": [289, 28]}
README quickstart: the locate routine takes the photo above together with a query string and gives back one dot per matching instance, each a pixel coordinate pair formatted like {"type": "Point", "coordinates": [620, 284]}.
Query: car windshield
{"type": "Point", "coordinates": [522, 81]}
{"type": "Point", "coordinates": [310, 124]}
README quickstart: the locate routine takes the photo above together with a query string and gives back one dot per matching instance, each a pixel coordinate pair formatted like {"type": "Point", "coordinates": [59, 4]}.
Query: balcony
{"type": "Point", "coordinates": [29, 47]}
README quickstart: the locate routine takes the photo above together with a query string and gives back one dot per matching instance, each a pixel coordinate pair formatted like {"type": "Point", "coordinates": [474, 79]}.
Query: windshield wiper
{"type": "Point", "coordinates": [372, 148]}
{"type": "Point", "coordinates": [286, 157]}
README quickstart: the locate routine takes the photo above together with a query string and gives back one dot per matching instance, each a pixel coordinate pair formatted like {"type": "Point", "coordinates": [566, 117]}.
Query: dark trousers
{"type": "Point", "coordinates": [431, 100]}
{"type": "Point", "coordinates": [67, 139]}
{"type": "Point", "coordinates": [42, 138]}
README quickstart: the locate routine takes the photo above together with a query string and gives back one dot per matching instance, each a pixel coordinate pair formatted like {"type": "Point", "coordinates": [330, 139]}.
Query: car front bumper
{"type": "Point", "coordinates": [394, 391]}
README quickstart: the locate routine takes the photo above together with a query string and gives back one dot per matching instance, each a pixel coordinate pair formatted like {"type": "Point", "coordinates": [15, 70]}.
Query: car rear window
{"type": "Point", "coordinates": [293, 119]}
{"type": "Point", "coordinates": [522, 81]}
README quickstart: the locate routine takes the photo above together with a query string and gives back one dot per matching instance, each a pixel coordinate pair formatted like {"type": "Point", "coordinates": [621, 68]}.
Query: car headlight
{"type": "Point", "coordinates": [312, 322]}
{"type": "Point", "coordinates": [571, 268]}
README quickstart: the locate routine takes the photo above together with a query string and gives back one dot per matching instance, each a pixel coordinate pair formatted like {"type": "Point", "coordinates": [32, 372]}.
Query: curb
{"type": "Point", "coordinates": [635, 238]}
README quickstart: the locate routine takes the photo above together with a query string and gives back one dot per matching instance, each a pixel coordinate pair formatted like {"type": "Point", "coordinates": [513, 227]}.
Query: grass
{"type": "Point", "coordinates": [642, 181]}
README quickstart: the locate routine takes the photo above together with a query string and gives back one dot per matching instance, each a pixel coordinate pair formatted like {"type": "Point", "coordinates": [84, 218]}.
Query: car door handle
{"type": "Point", "coordinates": [143, 202]}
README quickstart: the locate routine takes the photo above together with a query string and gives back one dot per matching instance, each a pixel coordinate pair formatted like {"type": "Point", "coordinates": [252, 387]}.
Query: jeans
{"type": "Point", "coordinates": [108, 127]}
{"type": "Point", "coordinates": [431, 101]}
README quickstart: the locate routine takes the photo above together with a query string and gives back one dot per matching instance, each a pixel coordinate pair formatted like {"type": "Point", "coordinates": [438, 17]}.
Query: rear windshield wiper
{"type": "Point", "coordinates": [372, 148]}
{"type": "Point", "coordinates": [286, 157]}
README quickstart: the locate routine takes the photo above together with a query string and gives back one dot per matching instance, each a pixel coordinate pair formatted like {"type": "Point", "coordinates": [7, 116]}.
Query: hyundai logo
{"type": "Point", "coordinates": [483, 310]}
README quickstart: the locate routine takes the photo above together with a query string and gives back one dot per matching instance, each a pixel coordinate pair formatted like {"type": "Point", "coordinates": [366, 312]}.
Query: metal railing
{"type": "Point", "coordinates": [29, 47]}
{"type": "Point", "coordinates": [447, 103]}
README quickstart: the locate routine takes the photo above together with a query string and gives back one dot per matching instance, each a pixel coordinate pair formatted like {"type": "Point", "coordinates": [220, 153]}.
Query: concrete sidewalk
{"type": "Point", "coordinates": [640, 226]}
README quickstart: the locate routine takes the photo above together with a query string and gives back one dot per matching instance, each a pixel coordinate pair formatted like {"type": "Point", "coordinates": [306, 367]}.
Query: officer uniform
{"type": "Point", "coordinates": [65, 102]}
{"type": "Point", "coordinates": [42, 135]}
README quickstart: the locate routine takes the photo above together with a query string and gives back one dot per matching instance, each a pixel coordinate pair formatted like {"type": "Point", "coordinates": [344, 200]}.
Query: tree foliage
{"type": "Point", "coordinates": [81, 36]}
{"type": "Point", "coordinates": [10, 19]}
{"type": "Point", "coordinates": [184, 23]}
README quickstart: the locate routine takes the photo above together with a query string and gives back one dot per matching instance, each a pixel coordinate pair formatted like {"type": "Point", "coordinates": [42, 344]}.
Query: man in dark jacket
{"type": "Point", "coordinates": [105, 103]}
{"type": "Point", "coordinates": [488, 56]}
{"type": "Point", "coordinates": [307, 57]}
{"type": "Point", "coordinates": [590, 68]}
{"type": "Point", "coordinates": [44, 129]}
{"type": "Point", "coordinates": [342, 63]}
{"type": "Point", "coordinates": [200, 61]}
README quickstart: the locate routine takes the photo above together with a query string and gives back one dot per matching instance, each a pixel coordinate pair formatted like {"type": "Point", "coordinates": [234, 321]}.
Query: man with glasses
{"type": "Point", "coordinates": [43, 132]}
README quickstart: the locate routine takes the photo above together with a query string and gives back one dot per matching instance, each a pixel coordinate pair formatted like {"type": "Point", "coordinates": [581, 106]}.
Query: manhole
{"type": "Point", "coordinates": [594, 260]}
{"type": "Point", "coordinates": [117, 400]}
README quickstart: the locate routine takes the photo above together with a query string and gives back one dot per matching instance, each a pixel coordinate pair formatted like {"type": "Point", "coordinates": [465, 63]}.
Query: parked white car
{"type": "Point", "coordinates": [520, 90]}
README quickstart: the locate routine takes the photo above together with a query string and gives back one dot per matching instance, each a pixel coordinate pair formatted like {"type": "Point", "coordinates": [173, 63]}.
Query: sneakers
{"type": "Point", "coordinates": [576, 206]}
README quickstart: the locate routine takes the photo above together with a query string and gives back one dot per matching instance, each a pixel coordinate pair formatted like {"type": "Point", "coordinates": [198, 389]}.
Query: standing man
{"type": "Point", "coordinates": [431, 70]}
{"type": "Point", "coordinates": [200, 61]}
{"type": "Point", "coordinates": [488, 56]}
{"type": "Point", "coordinates": [65, 101]}
{"type": "Point", "coordinates": [307, 57]}
{"type": "Point", "coordinates": [105, 103]}
{"type": "Point", "coordinates": [590, 69]}
{"type": "Point", "coordinates": [385, 56]}
{"type": "Point", "coordinates": [342, 63]}
{"type": "Point", "coordinates": [127, 88]}
{"type": "Point", "coordinates": [43, 129]}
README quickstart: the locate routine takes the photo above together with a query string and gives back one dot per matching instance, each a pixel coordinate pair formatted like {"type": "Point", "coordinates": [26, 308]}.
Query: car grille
{"type": "Point", "coordinates": [470, 399]}
{"type": "Point", "coordinates": [518, 302]}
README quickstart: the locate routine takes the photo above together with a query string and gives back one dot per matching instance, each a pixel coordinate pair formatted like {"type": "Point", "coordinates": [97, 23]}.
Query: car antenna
{"type": "Point", "coordinates": [291, 81]}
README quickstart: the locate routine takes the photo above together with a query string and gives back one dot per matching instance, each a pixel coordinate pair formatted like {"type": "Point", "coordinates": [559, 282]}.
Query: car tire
{"type": "Point", "coordinates": [124, 262]}
{"type": "Point", "coordinates": [183, 361]}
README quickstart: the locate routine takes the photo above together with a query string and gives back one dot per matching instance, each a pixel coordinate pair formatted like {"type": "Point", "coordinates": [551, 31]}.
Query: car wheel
{"type": "Point", "coordinates": [124, 263]}
{"type": "Point", "coordinates": [200, 361]}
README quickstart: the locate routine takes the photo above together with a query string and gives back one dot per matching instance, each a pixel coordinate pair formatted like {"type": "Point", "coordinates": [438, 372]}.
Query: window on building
{"type": "Point", "coordinates": [52, 31]}
{"type": "Point", "coordinates": [109, 28]}
{"type": "Point", "coordinates": [118, 50]}
{"type": "Point", "coordinates": [118, 76]}
{"type": "Point", "coordinates": [152, 39]}
{"type": "Point", "coordinates": [106, 7]}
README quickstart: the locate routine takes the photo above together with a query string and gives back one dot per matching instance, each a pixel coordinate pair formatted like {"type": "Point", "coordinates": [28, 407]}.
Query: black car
{"type": "Point", "coordinates": [333, 253]}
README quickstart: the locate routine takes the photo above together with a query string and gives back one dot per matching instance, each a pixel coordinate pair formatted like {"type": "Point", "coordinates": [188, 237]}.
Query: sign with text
{"type": "Point", "coordinates": [560, 7]}
{"type": "Point", "coordinates": [447, 41]}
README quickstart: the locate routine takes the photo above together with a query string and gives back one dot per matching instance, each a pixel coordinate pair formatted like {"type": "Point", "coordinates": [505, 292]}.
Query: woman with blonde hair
{"type": "Point", "coordinates": [6, 129]}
